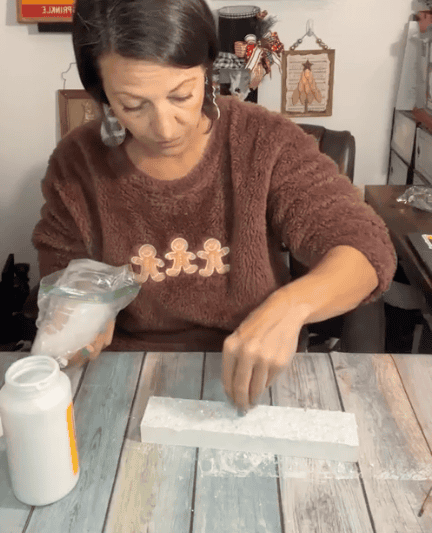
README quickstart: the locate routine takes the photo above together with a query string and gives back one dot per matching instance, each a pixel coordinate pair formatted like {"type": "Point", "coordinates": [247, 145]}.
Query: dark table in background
{"type": "Point", "coordinates": [402, 219]}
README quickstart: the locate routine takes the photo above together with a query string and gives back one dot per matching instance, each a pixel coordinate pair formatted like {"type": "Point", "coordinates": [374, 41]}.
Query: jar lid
{"type": "Point", "coordinates": [33, 373]}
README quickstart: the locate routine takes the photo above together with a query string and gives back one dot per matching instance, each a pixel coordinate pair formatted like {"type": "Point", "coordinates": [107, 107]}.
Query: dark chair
{"type": "Point", "coordinates": [363, 329]}
{"type": "Point", "coordinates": [339, 145]}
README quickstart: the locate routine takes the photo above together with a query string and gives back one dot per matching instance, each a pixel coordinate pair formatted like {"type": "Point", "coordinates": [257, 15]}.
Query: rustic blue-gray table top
{"type": "Point", "coordinates": [127, 486]}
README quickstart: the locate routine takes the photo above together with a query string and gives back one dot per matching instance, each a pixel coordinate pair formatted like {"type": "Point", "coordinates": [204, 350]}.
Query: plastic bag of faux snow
{"type": "Point", "coordinates": [76, 304]}
{"type": "Point", "coordinates": [418, 196]}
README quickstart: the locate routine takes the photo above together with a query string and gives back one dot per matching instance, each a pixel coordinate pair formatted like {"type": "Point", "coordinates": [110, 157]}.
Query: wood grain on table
{"type": "Point", "coordinates": [129, 486]}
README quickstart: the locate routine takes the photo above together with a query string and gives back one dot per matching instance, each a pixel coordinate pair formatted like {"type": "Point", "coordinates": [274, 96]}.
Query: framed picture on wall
{"type": "Point", "coordinates": [76, 107]}
{"type": "Point", "coordinates": [307, 83]}
{"type": "Point", "coordinates": [33, 11]}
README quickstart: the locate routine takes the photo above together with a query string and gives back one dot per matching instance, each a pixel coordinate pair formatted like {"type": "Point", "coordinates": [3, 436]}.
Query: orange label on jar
{"type": "Point", "coordinates": [72, 437]}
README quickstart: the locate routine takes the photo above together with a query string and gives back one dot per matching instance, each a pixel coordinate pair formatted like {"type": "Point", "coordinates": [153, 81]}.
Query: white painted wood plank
{"type": "Point", "coordinates": [235, 491]}
{"type": "Point", "coordinates": [395, 459]}
{"type": "Point", "coordinates": [154, 485]}
{"type": "Point", "coordinates": [317, 495]}
{"type": "Point", "coordinates": [313, 433]}
{"type": "Point", "coordinates": [102, 408]}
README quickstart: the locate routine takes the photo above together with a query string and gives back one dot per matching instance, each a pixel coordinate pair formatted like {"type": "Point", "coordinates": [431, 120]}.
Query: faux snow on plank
{"type": "Point", "coordinates": [318, 434]}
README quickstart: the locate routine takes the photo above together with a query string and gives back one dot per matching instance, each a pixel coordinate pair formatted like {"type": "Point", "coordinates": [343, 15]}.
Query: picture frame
{"type": "Point", "coordinates": [35, 11]}
{"type": "Point", "coordinates": [76, 107]}
{"type": "Point", "coordinates": [307, 83]}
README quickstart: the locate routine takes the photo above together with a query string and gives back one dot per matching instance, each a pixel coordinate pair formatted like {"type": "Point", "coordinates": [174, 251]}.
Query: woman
{"type": "Point", "coordinates": [197, 194]}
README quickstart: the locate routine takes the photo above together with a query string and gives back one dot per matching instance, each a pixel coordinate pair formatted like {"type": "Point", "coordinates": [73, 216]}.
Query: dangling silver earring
{"type": "Point", "coordinates": [112, 132]}
{"type": "Point", "coordinates": [214, 98]}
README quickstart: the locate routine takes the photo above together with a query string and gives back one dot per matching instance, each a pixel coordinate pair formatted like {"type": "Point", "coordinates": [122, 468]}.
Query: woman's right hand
{"type": "Point", "coordinates": [93, 350]}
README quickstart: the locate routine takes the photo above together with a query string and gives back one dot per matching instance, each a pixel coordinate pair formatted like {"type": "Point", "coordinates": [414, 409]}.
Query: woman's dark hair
{"type": "Point", "coordinates": [178, 33]}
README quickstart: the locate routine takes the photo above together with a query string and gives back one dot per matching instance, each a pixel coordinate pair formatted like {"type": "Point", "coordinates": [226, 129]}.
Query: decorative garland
{"type": "Point", "coordinates": [252, 61]}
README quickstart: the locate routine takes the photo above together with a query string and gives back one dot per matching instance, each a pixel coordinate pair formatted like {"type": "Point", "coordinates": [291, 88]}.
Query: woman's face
{"type": "Point", "coordinates": [156, 103]}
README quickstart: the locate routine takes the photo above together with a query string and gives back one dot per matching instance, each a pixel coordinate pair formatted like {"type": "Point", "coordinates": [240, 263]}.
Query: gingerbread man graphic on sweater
{"type": "Point", "coordinates": [149, 264]}
{"type": "Point", "coordinates": [213, 254]}
{"type": "Point", "coordinates": [181, 259]}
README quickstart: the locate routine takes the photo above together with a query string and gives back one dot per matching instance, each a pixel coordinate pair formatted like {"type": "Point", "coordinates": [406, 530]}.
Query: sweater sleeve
{"type": "Point", "coordinates": [312, 208]}
{"type": "Point", "coordinates": [61, 234]}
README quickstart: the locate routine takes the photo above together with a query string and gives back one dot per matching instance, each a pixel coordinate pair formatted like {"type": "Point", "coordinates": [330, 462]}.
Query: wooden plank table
{"type": "Point", "coordinates": [127, 486]}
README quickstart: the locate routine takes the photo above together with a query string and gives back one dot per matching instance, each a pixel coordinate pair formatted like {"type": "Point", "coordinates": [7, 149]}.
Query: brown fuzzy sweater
{"type": "Point", "coordinates": [207, 245]}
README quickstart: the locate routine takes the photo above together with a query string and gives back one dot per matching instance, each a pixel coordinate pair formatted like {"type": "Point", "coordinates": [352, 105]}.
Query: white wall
{"type": "Point", "coordinates": [368, 37]}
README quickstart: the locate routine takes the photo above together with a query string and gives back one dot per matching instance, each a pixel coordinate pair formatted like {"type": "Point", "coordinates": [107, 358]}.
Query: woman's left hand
{"type": "Point", "coordinates": [260, 349]}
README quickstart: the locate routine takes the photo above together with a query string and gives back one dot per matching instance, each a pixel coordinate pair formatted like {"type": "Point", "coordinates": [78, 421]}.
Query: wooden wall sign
{"type": "Point", "coordinates": [307, 83]}
{"type": "Point", "coordinates": [33, 11]}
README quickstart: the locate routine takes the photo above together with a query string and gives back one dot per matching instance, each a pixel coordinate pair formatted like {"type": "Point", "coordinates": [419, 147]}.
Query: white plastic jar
{"type": "Point", "coordinates": [37, 414]}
